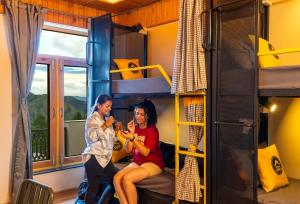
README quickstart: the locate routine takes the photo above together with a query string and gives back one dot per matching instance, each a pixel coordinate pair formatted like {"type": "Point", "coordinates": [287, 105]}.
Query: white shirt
{"type": "Point", "coordinates": [99, 142]}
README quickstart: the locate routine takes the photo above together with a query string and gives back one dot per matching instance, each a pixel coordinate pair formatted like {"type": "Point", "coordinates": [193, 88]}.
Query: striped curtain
{"type": "Point", "coordinates": [188, 182]}
{"type": "Point", "coordinates": [189, 74]}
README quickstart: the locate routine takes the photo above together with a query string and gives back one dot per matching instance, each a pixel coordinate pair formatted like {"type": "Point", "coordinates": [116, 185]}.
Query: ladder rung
{"type": "Point", "coordinates": [190, 123]}
{"type": "Point", "coordinates": [201, 93]}
{"type": "Point", "coordinates": [202, 155]}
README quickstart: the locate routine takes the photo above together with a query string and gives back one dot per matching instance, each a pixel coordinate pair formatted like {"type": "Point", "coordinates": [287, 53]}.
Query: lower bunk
{"type": "Point", "coordinates": [159, 189]}
{"type": "Point", "coordinates": [286, 195]}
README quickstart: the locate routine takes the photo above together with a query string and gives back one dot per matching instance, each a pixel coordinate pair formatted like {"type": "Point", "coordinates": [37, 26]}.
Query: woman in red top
{"type": "Point", "coordinates": [143, 142]}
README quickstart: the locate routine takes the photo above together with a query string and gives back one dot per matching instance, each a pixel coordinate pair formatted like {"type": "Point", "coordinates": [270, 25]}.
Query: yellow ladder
{"type": "Point", "coordinates": [178, 152]}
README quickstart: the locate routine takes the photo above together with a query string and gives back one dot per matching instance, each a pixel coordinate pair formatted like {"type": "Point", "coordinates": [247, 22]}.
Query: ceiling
{"type": "Point", "coordinates": [113, 8]}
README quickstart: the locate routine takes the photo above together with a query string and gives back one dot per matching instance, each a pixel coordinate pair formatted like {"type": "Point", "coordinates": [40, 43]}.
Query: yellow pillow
{"type": "Point", "coordinates": [129, 63]}
{"type": "Point", "coordinates": [119, 151]}
{"type": "Point", "coordinates": [268, 60]}
{"type": "Point", "coordinates": [270, 169]}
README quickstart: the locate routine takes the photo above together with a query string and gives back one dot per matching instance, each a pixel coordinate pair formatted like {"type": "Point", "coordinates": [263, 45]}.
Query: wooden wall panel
{"type": "Point", "coordinates": [158, 13]}
{"type": "Point", "coordinates": [64, 12]}
{"type": "Point", "coordinates": [1, 9]}
{"type": "Point", "coordinates": [68, 13]}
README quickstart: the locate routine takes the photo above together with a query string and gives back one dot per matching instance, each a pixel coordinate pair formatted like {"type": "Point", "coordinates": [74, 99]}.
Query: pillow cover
{"type": "Point", "coordinates": [267, 60]}
{"type": "Point", "coordinates": [129, 63]}
{"type": "Point", "coordinates": [270, 169]}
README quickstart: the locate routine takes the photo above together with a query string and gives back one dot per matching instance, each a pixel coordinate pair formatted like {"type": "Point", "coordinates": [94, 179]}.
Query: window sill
{"type": "Point", "coordinates": [51, 170]}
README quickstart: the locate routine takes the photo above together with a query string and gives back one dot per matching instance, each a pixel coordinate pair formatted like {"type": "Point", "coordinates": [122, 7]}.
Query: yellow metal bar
{"type": "Point", "coordinates": [176, 144]}
{"type": "Point", "coordinates": [282, 51]}
{"type": "Point", "coordinates": [157, 66]}
{"type": "Point", "coordinates": [203, 92]}
{"type": "Point", "coordinates": [201, 155]}
{"type": "Point", "coordinates": [177, 151]}
{"type": "Point", "coordinates": [204, 148]}
{"type": "Point", "coordinates": [190, 123]}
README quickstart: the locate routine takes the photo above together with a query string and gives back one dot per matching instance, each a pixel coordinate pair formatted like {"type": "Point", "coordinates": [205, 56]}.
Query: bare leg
{"type": "Point", "coordinates": [129, 180]}
{"type": "Point", "coordinates": [118, 184]}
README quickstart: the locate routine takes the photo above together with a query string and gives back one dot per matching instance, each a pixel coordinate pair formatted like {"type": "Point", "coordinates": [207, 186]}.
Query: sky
{"type": "Point", "coordinates": [61, 44]}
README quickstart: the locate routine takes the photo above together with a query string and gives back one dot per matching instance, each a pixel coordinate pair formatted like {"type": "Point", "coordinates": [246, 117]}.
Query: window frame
{"type": "Point", "coordinates": [56, 112]}
{"type": "Point", "coordinates": [40, 165]}
{"type": "Point", "coordinates": [74, 62]}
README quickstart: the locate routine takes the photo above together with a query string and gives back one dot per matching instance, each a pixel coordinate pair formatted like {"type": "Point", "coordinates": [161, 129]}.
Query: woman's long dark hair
{"type": "Point", "coordinates": [101, 99]}
{"type": "Point", "coordinates": [149, 110]}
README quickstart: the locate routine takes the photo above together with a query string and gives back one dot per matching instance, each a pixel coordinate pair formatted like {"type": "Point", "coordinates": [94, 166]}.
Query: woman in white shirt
{"type": "Point", "coordinates": [100, 138]}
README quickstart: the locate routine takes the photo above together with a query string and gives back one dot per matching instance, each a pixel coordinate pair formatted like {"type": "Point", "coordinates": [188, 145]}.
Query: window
{"type": "Point", "coordinates": [58, 101]}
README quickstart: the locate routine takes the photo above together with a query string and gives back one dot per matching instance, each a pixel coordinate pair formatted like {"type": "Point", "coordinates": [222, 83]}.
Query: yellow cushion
{"type": "Point", "coordinates": [270, 169]}
{"type": "Point", "coordinates": [267, 61]}
{"type": "Point", "coordinates": [119, 151]}
{"type": "Point", "coordinates": [129, 63]}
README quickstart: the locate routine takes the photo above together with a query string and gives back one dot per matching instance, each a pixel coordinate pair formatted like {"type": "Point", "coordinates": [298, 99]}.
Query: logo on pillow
{"type": "Point", "coordinates": [128, 64]}
{"type": "Point", "coordinates": [132, 65]}
{"type": "Point", "coordinates": [118, 145]}
{"type": "Point", "coordinates": [265, 61]}
{"type": "Point", "coordinates": [272, 49]}
{"type": "Point", "coordinates": [276, 164]}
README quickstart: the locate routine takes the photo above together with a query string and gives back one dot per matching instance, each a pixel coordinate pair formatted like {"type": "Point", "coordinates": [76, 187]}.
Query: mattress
{"type": "Point", "coordinates": [163, 183]}
{"type": "Point", "coordinates": [141, 86]}
{"type": "Point", "coordinates": [284, 77]}
{"type": "Point", "coordinates": [286, 195]}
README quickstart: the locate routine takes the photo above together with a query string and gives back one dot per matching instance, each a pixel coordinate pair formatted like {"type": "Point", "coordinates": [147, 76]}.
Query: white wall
{"type": "Point", "coordinates": [62, 180]}
{"type": "Point", "coordinates": [161, 46]}
{"type": "Point", "coordinates": [285, 30]}
{"type": "Point", "coordinates": [284, 126]}
{"type": "Point", "coordinates": [161, 50]}
{"type": "Point", "coordinates": [5, 116]}
{"type": "Point", "coordinates": [284, 131]}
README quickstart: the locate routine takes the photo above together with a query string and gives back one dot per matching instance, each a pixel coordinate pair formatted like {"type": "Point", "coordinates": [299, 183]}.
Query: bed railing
{"type": "Point", "coordinates": [159, 67]}
{"type": "Point", "coordinates": [281, 51]}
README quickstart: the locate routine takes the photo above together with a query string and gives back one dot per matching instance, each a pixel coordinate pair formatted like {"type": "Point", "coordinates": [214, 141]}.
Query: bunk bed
{"type": "Point", "coordinates": [146, 87]}
{"type": "Point", "coordinates": [280, 81]}
{"type": "Point", "coordinates": [285, 195]}
{"type": "Point", "coordinates": [107, 42]}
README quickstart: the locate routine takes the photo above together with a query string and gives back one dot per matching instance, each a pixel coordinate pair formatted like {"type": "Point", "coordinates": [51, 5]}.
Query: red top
{"type": "Point", "coordinates": [149, 137]}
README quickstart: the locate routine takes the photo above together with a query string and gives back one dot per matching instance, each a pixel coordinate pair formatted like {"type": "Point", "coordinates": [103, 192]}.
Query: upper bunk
{"type": "Point", "coordinates": [144, 87]}
{"type": "Point", "coordinates": [239, 46]}
{"type": "Point", "coordinates": [117, 59]}
{"type": "Point", "coordinates": [130, 73]}
{"type": "Point", "coordinates": [275, 79]}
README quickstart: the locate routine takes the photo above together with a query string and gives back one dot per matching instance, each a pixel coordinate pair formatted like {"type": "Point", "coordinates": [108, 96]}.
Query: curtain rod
{"type": "Point", "coordinates": [68, 14]}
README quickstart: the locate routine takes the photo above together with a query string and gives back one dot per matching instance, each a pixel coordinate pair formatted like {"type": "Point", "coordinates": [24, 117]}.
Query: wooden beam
{"type": "Point", "coordinates": [1, 8]}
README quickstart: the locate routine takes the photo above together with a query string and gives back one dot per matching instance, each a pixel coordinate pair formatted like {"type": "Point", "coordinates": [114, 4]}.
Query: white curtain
{"type": "Point", "coordinates": [189, 74]}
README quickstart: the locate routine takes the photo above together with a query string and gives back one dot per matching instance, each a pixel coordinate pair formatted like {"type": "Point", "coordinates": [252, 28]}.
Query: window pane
{"type": "Point", "coordinates": [62, 44]}
{"type": "Point", "coordinates": [75, 109]}
{"type": "Point", "coordinates": [39, 114]}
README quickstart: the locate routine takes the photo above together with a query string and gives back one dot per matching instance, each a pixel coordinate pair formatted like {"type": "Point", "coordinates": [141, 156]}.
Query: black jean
{"type": "Point", "coordinates": [97, 175]}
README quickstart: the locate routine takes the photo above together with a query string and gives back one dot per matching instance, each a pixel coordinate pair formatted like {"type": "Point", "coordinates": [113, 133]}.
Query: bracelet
{"type": "Point", "coordinates": [131, 140]}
